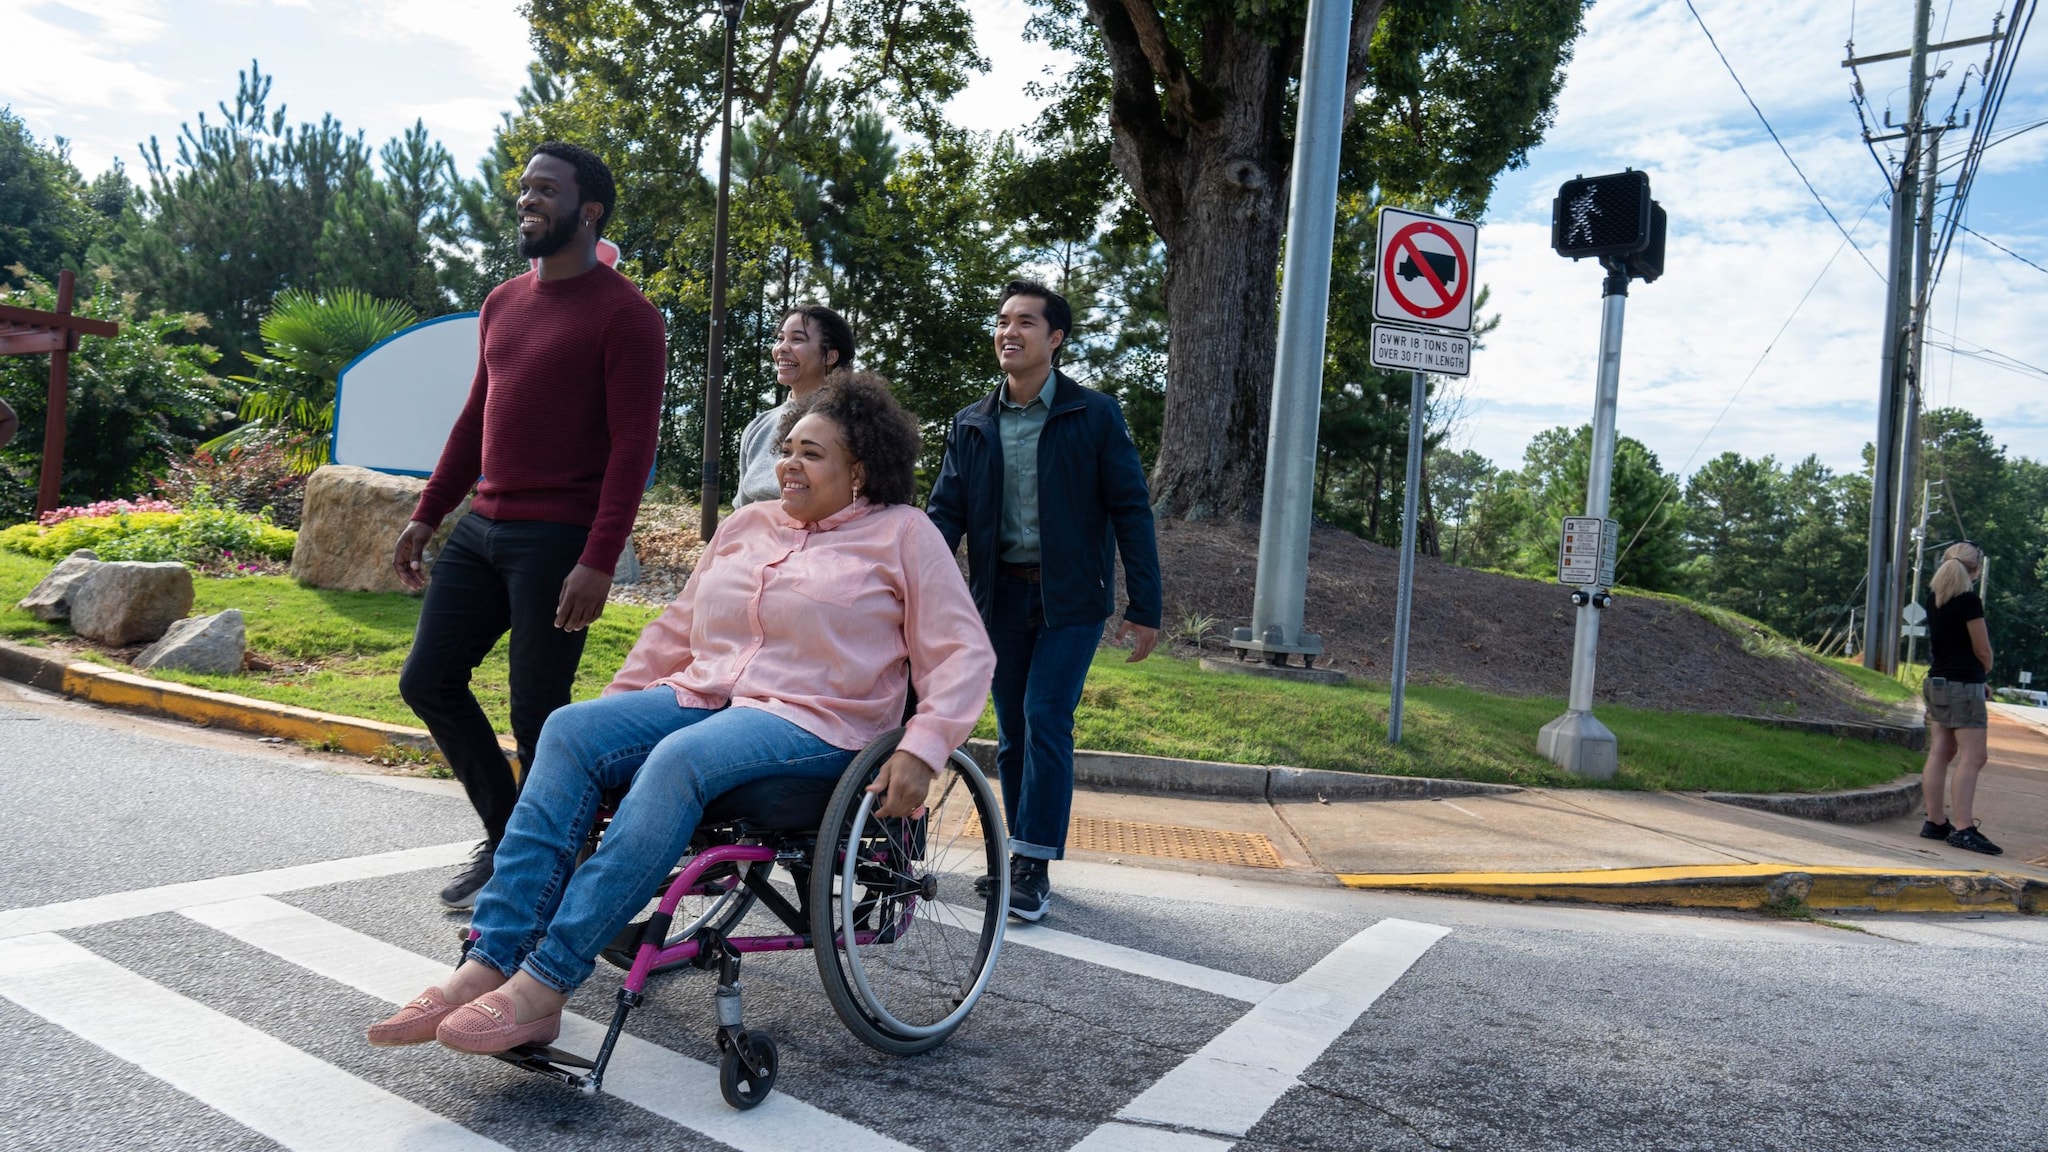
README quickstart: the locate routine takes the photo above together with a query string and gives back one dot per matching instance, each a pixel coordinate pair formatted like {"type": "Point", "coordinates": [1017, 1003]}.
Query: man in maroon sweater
{"type": "Point", "coordinates": [560, 426]}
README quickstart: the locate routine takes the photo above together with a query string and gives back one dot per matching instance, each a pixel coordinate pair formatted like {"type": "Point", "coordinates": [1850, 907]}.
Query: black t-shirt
{"type": "Point", "coordinates": [1948, 636]}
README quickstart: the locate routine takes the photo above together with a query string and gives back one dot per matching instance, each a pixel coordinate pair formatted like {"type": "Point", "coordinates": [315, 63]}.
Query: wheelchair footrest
{"type": "Point", "coordinates": [551, 1062]}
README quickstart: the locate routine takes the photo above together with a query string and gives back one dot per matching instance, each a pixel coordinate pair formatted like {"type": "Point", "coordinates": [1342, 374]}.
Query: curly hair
{"type": "Point", "coordinates": [593, 178]}
{"type": "Point", "coordinates": [880, 434]}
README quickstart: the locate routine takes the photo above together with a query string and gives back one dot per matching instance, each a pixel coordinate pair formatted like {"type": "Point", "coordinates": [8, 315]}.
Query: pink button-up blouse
{"type": "Point", "coordinates": [815, 623]}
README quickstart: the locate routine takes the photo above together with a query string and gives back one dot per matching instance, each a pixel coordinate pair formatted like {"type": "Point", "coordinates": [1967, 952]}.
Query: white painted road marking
{"type": "Point", "coordinates": [1163, 968]}
{"type": "Point", "coordinates": [1114, 1137]}
{"type": "Point", "coordinates": [302, 1102]}
{"type": "Point", "coordinates": [1235, 1078]}
{"type": "Point", "coordinates": [665, 1083]}
{"type": "Point", "coordinates": [92, 910]}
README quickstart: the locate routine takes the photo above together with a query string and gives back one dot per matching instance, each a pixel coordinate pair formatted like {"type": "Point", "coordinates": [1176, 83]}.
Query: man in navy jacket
{"type": "Point", "coordinates": [1043, 481]}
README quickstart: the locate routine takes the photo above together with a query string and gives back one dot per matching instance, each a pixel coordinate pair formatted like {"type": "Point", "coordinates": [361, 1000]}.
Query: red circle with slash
{"type": "Point", "coordinates": [1404, 241]}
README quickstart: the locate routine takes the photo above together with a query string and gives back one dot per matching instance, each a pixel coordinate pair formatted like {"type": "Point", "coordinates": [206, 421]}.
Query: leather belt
{"type": "Point", "coordinates": [1029, 573]}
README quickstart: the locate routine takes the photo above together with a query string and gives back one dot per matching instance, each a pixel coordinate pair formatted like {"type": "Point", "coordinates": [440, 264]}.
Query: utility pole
{"type": "Point", "coordinates": [1882, 599]}
{"type": "Point", "coordinates": [714, 357]}
{"type": "Point", "coordinates": [1919, 554]}
{"type": "Point", "coordinates": [1281, 586]}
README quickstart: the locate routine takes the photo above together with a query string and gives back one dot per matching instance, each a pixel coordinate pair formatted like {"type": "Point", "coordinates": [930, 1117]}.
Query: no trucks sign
{"type": "Point", "coordinates": [1425, 270]}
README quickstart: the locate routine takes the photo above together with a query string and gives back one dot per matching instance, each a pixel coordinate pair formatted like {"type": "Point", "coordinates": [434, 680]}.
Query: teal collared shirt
{"type": "Point", "coordinates": [1019, 426]}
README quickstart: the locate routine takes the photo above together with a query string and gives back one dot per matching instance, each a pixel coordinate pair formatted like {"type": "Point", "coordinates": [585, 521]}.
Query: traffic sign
{"type": "Point", "coordinates": [1424, 271]}
{"type": "Point", "coordinates": [1914, 613]}
{"type": "Point", "coordinates": [1420, 350]}
{"type": "Point", "coordinates": [1586, 551]}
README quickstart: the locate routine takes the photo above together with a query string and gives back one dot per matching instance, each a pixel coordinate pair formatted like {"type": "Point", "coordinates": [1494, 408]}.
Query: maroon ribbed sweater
{"type": "Point", "coordinates": [562, 416]}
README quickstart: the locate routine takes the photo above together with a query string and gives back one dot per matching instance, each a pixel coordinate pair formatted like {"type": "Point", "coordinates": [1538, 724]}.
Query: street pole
{"type": "Point", "coordinates": [1289, 503]}
{"type": "Point", "coordinates": [1405, 599]}
{"type": "Point", "coordinates": [1915, 375]}
{"type": "Point", "coordinates": [1881, 597]}
{"type": "Point", "coordinates": [714, 356]}
{"type": "Point", "coordinates": [1577, 741]}
{"type": "Point", "coordinates": [1919, 554]}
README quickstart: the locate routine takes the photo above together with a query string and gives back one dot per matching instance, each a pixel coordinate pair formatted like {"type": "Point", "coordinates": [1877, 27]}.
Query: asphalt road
{"type": "Point", "coordinates": [197, 927]}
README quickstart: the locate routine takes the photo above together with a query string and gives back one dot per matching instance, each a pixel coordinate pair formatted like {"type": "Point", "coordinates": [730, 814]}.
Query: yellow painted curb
{"type": "Point", "coordinates": [1738, 886]}
{"type": "Point", "coordinates": [53, 672]}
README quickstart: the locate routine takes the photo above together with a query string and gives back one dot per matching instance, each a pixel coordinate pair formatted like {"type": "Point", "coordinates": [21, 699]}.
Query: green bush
{"type": "Point", "coordinates": [194, 536]}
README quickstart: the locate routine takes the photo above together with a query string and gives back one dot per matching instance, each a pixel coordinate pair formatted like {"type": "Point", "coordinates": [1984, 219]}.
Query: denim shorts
{"type": "Point", "coordinates": [1954, 703]}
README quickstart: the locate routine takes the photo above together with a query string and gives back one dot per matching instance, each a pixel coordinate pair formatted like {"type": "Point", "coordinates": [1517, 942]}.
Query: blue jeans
{"type": "Point", "coordinates": [1039, 673]}
{"type": "Point", "coordinates": [535, 914]}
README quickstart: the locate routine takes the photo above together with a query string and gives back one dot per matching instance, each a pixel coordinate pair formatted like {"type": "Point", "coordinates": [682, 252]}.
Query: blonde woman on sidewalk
{"type": "Point", "coordinates": [1954, 691]}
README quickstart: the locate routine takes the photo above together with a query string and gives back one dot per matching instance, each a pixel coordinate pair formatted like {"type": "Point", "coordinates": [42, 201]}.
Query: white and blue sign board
{"type": "Point", "coordinates": [395, 404]}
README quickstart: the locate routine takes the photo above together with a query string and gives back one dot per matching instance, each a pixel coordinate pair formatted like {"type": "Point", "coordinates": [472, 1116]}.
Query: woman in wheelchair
{"type": "Point", "coordinates": [789, 650]}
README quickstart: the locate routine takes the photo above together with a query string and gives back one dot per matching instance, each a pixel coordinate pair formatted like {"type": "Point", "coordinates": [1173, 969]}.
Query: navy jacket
{"type": "Point", "coordinates": [1092, 503]}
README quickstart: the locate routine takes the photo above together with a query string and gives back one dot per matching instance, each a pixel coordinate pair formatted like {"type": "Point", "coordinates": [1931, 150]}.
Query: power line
{"type": "Point", "coordinates": [1995, 86]}
{"type": "Point", "coordinates": [2002, 248]}
{"type": "Point", "coordinates": [1774, 133]}
{"type": "Point", "coordinates": [1671, 486]}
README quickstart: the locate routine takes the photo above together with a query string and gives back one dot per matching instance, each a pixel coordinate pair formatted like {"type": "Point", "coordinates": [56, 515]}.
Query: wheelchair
{"type": "Point", "coordinates": [904, 943]}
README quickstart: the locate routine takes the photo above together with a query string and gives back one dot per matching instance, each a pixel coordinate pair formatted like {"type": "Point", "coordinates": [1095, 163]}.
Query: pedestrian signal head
{"type": "Point", "coordinates": [1602, 216]}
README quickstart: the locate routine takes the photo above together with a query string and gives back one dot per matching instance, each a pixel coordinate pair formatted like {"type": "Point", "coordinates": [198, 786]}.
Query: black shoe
{"type": "Point", "coordinates": [1929, 830]}
{"type": "Point", "coordinates": [461, 891]}
{"type": "Point", "coordinates": [985, 886]}
{"type": "Point", "coordinates": [1968, 838]}
{"type": "Point", "coordinates": [1030, 889]}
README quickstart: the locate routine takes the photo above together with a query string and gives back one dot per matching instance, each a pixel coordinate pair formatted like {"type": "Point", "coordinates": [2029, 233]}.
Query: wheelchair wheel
{"type": "Point", "coordinates": [904, 945]}
{"type": "Point", "coordinates": [745, 1087]}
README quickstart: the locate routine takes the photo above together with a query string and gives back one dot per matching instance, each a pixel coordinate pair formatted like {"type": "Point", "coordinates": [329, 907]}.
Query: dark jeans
{"type": "Point", "coordinates": [1039, 673]}
{"type": "Point", "coordinates": [493, 575]}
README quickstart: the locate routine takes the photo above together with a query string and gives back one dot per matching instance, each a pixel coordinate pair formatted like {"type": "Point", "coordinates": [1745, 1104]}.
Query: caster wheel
{"type": "Point", "coordinates": [742, 1087]}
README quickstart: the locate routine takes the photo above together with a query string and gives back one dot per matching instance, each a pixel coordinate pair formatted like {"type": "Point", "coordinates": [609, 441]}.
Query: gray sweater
{"type": "Point", "coordinates": [758, 453]}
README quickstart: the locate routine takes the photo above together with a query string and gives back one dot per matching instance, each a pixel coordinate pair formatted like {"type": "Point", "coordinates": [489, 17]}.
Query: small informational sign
{"type": "Point", "coordinates": [1586, 551]}
{"type": "Point", "coordinates": [2026, 678]}
{"type": "Point", "coordinates": [1423, 276]}
{"type": "Point", "coordinates": [1417, 350]}
{"type": "Point", "coordinates": [1914, 613]}
{"type": "Point", "coordinates": [1914, 630]}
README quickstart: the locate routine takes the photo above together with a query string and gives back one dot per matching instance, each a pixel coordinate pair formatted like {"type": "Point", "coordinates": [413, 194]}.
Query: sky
{"type": "Point", "coordinates": [1761, 338]}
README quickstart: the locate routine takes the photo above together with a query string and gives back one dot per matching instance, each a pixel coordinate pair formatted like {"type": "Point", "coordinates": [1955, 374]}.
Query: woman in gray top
{"type": "Point", "coordinates": [813, 342]}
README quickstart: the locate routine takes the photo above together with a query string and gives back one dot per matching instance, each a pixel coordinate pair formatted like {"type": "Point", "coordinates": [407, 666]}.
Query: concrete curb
{"type": "Point", "coordinates": [1912, 737]}
{"type": "Point", "coordinates": [1741, 886]}
{"type": "Point", "coordinates": [1129, 772]}
{"type": "Point", "coordinates": [53, 672]}
{"type": "Point", "coordinates": [1857, 806]}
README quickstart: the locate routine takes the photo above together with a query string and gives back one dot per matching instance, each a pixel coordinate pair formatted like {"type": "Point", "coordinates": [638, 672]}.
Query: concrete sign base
{"type": "Point", "coordinates": [1581, 745]}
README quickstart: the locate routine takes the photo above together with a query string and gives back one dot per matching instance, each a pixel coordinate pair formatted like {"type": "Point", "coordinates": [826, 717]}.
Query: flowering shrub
{"type": "Point", "coordinates": [56, 516]}
{"type": "Point", "coordinates": [198, 536]}
{"type": "Point", "coordinates": [243, 479]}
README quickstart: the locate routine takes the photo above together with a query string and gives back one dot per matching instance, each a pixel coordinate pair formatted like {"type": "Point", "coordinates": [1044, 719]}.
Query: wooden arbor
{"type": "Point", "coordinates": [29, 331]}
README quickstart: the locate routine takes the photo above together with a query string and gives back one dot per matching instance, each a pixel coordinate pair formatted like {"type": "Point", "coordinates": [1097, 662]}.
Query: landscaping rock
{"type": "Point", "coordinates": [210, 644]}
{"type": "Point", "coordinates": [50, 599]}
{"type": "Point", "coordinates": [628, 569]}
{"type": "Point", "coordinates": [351, 522]}
{"type": "Point", "coordinates": [127, 602]}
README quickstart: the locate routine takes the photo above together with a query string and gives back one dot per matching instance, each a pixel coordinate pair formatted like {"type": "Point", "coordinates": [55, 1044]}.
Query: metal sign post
{"type": "Point", "coordinates": [1614, 219]}
{"type": "Point", "coordinates": [1422, 285]}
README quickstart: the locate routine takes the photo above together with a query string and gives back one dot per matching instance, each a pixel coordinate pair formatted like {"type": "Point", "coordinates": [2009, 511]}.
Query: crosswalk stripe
{"type": "Point", "coordinates": [1114, 1137]}
{"type": "Point", "coordinates": [665, 1083]}
{"type": "Point", "coordinates": [1236, 1077]}
{"type": "Point", "coordinates": [296, 1099]}
{"type": "Point", "coordinates": [1163, 968]}
{"type": "Point", "coordinates": [69, 914]}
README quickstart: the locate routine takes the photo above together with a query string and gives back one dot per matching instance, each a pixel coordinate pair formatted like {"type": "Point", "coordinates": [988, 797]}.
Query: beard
{"type": "Point", "coordinates": [548, 243]}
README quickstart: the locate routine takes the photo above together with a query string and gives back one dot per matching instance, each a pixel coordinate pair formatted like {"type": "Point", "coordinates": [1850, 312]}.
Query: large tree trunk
{"type": "Point", "coordinates": [1206, 156]}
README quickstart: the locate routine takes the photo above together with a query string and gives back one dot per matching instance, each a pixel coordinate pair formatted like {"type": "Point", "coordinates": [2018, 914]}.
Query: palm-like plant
{"type": "Point", "coordinates": [308, 339]}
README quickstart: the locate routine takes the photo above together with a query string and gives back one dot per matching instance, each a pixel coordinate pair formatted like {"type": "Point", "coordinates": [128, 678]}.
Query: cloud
{"type": "Point", "coordinates": [62, 62]}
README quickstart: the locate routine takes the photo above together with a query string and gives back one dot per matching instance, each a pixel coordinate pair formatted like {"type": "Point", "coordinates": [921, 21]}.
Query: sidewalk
{"type": "Point", "coordinates": [1651, 848]}
{"type": "Point", "coordinates": [1640, 848]}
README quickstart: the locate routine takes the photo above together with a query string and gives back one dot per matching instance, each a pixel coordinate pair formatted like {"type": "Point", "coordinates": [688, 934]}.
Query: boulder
{"type": "Point", "coordinates": [127, 602]}
{"type": "Point", "coordinates": [351, 522]}
{"type": "Point", "coordinates": [50, 599]}
{"type": "Point", "coordinates": [211, 644]}
{"type": "Point", "coordinates": [628, 569]}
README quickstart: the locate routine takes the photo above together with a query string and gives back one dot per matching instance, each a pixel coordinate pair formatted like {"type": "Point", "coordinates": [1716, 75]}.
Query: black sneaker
{"type": "Point", "coordinates": [1968, 838]}
{"type": "Point", "coordinates": [985, 886]}
{"type": "Point", "coordinates": [1929, 830]}
{"type": "Point", "coordinates": [461, 891]}
{"type": "Point", "coordinates": [1030, 889]}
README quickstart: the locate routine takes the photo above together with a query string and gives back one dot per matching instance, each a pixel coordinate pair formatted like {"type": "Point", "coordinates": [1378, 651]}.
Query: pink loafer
{"type": "Point", "coordinates": [413, 1024]}
{"type": "Point", "coordinates": [485, 1027]}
